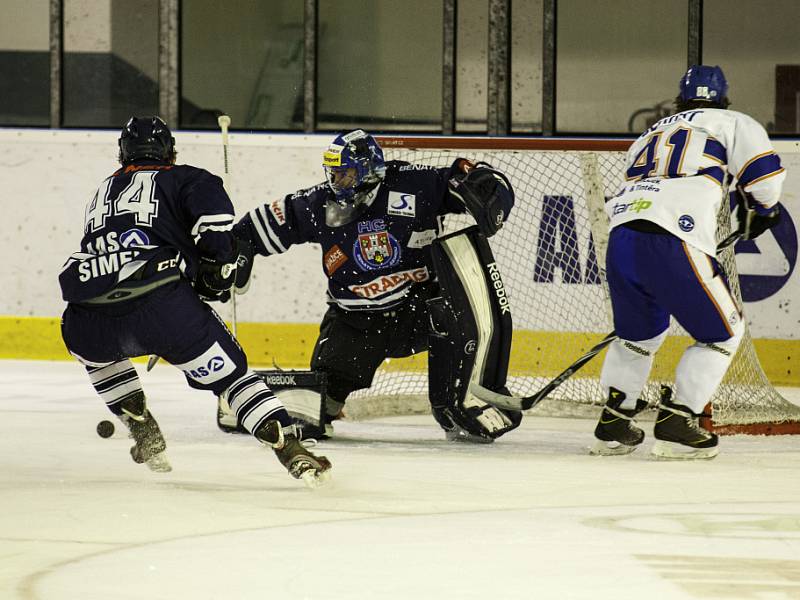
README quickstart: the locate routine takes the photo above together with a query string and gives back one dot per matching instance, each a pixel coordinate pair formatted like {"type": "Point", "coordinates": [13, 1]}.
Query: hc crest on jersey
{"type": "Point", "coordinates": [401, 204]}
{"type": "Point", "coordinates": [376, 250]}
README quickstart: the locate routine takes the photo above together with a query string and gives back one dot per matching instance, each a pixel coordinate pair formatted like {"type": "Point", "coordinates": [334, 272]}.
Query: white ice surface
{"type": "Point", "coordinates": [406, 515]}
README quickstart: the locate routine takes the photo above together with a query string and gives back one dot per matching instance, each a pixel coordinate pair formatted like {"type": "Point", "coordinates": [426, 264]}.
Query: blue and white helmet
{"type": "Point", "coordinates": [705, 84]}
{"type": "Point", "coordinates": [357, 151]}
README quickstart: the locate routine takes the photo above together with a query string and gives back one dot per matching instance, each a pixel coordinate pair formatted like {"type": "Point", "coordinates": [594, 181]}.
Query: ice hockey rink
{"type": "Point", "coordinates": [406, 514]}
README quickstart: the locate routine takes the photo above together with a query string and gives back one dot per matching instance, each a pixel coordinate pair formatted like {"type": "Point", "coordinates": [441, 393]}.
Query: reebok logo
{"type": "Point", "coordinates": [635, 348]}
{"type": "Point", "coordinates": [282, 380]}
{"type": "Point", "coordinates": [499, 288]}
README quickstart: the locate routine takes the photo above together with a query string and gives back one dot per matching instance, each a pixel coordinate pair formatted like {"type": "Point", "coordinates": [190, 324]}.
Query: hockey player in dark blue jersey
{"type": "Point", "coordinates": [157, 242]}
{"type": "Point", "coordinates": [396, 287]}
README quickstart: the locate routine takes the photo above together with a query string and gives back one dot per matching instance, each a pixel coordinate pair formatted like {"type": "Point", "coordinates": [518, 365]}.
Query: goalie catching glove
{"type": "Point", "coordinates": [486, 194]}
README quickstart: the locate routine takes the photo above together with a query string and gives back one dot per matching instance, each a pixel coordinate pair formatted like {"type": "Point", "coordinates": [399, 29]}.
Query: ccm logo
{"type": "Point", "coordinates": [167, 264]}
{"type": "Point", "coordinates": [499, 288]}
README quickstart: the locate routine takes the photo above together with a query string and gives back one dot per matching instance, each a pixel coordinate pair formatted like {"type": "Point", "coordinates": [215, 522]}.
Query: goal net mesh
{"type": "Point", "coordinates": [552, 265]}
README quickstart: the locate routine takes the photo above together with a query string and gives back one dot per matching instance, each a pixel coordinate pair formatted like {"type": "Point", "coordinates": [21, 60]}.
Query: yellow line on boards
{"type": "Point", "coordinates": [290, 345]}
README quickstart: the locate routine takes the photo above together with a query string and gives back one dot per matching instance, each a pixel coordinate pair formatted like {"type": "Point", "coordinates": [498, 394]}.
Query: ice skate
{"type": "Point", "coordinates": [678, 433]}
{"type": "Point", "coordinates": [149, 447]}
{"type": "Point", "coordinates": [616, 431]}
{"type": "Point", "coordinates": [298, 460]}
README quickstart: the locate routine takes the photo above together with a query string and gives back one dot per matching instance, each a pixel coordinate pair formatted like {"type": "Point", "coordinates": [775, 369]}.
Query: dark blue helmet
{"type": "Point", "coordinates": [353, 165]}
{"type": "Point", "coordinates": [146, 137]}
{"type": "Point", "coordinates": [702, 83]}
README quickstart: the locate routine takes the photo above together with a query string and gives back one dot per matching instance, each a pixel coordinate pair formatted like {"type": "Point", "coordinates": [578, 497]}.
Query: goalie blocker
{"type": "Point", "coordinates": [470, 340]}
{"type": "Point", "coordinates": [301, 392]}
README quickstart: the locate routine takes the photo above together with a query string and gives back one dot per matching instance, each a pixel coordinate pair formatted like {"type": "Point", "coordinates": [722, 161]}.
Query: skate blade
{"type": "Point", "coordinates": [673, 451]}
{"type": "Point", "coordinates": [464, 437]}
{"type": "Point", "coordinates": [602, 448]}
{"type": "Point", "coordinates": [159, 463]}
{"type": "Point", "coordinates": [314, 479]}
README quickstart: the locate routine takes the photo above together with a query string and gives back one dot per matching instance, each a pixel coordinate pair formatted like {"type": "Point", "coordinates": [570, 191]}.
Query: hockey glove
{"type": "Point", "coordinates": [244, 265]}
{"type": "Point", "coordinates": [486, 194]}
{"type": "Point", "coordinates": [214, 280]}
{"type": "Point", "coordinates": [753, 219]}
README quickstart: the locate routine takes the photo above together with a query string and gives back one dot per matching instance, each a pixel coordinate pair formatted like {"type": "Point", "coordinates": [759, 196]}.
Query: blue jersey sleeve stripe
{"type": "Point", "coordinates": [716, 150]}
{"type": "Point", "coordinates": [273, 235]}
{"type": "Point", "coordinates": [715, 173]}
{"type": "Point", "coordinates": [762, 177]}
{"type": "Point", "coordinates": [758, 167]}
{"type": "Point", "coordinates": [262, 229]}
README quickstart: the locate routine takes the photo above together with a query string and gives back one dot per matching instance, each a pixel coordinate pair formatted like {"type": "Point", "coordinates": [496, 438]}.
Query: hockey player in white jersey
{"type": "Point", "coordinates": [661, 261]}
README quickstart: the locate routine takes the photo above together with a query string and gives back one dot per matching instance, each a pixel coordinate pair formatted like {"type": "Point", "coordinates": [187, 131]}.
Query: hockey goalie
{"type": "Point", "coordinates": [396, 285]}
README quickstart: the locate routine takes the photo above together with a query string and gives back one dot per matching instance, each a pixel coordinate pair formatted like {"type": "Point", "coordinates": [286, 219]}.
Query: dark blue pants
{"type": "Point", "coordinates": [171, 322]}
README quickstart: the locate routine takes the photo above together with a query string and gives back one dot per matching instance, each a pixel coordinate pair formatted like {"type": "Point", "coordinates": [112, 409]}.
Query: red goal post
{"type": "Point", "coordinates": [551, 254]}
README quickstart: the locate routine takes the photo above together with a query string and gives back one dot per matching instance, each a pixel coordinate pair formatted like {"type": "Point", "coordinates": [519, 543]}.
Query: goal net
{"type": "Point", "coordinates": [551, 253]}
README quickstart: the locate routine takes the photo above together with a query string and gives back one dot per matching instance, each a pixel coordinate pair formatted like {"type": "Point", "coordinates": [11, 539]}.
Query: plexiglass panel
{"type": "Point", "coordinates": [247, 63]}
{"type": "Point", "coordinates": [380, 65]}
{"type": "Point", "coordinates": [762, 66]}
{"type": "Point", "coordinates": [110, 65]}
{"type": "Point", "coordinates": [25, 62]}
{"type": "Point", "coordinates": [618, 63]}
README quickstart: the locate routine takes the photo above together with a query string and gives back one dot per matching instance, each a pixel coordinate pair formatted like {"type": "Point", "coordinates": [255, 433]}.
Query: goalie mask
{"type": "Point", "coordinates": [703, 85]}
{"type": "Point", "coordinates": [146, 137]}
{"type": "Point", "coordinates": [354, 166]}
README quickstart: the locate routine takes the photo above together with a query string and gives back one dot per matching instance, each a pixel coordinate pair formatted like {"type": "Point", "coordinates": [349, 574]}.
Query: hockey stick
{"type": "Point", "coordinates": [526, 402]}
{"type": "Point", "coordinates": [742, 229]}
{"type": "Point", "coordinates": [224, 122]}
{"type": "Point", "coordinates": [729, 241]}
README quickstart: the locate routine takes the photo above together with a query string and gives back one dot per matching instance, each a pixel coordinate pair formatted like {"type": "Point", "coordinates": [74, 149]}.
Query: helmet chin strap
{"type": "Point", "coordinates": [338, 214]}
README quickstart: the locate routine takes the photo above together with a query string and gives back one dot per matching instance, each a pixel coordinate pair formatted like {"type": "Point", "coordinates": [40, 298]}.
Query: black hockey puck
{"type": "Point", "coordinates": [105, 429]}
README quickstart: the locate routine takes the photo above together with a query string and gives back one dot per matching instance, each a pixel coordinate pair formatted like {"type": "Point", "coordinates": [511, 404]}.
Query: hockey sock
{"type": "Point", "coordinates": [254, 403]}
{"type": "Point", "coordinates": [115, 382]}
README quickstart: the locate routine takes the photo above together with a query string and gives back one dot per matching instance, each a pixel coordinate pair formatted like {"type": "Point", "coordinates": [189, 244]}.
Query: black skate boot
{"type": "Point", "coordinates": [616, 431]}
{"type": "Point", "coordinates": [149, 447]}
{"type": "Point", "coordinates": [298, 460]}
{"type": "Point", "coordinates": [678, 433]}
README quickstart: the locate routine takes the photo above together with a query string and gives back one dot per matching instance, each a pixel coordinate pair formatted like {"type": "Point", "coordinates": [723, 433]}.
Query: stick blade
{"type": "Point", "coordinates": [496, 399]}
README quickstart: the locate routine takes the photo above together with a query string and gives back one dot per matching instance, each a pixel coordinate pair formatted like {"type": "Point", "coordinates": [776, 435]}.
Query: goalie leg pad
{"type": "Point", "coordinates": [470, 338]}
